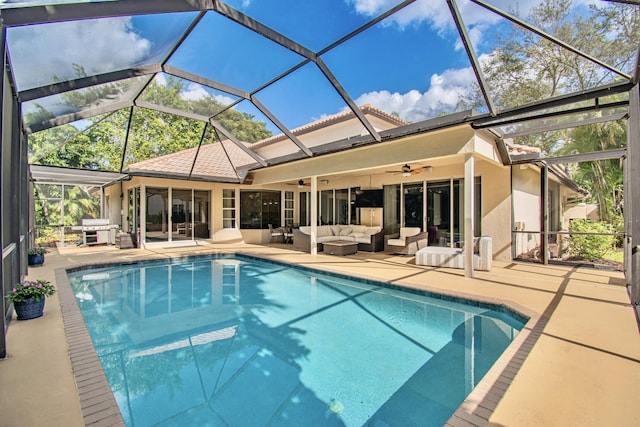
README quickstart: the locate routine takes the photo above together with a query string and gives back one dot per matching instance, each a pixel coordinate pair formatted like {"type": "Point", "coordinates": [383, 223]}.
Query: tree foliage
{"type": "Point", "coordinates": [525, 68]}
{"type": "Point", "coordinates": [147, 133]}
{"type": "Point", "coordinates": [587, 246]}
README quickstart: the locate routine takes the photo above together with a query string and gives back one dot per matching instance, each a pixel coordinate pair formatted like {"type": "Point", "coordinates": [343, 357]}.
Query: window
{"type": "Point", "coordinates": [354, 213]}
{"type": "Point", "coordinates": [325, 207]}
{"type": "Point", "coordinates": [228, 208]}
{"type": "Point", "coordinates": [304, 208]}
{"type": "Point", "coordinates": [445, 212]}
{"type": "Point", "coordinates": [258, 209]}
{"type": "Point", "coordinates": [342, 206]}
{"type": "Point", "coordinates": [288, 208]}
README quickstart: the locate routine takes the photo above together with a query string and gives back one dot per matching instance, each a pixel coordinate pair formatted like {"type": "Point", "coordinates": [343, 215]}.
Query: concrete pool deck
{"type": "Point", "coordinates": [576, 363]}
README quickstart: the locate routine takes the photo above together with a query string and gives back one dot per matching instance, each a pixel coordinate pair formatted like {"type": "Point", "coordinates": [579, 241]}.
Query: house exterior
{"type": "Point", "coordinates": [217, 202]}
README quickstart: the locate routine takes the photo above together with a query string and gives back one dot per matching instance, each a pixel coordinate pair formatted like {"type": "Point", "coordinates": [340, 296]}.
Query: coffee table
{"type": "Point", "coordinates": [340, 247]}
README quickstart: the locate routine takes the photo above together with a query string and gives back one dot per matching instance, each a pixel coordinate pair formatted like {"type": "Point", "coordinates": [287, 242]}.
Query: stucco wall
{"type": "Point", "coordinates": [526, 207]}
{"type": "Point", "coordinates": [496, 207]}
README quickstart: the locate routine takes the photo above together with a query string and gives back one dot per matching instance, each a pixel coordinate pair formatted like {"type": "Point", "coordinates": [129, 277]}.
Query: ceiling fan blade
{"type": "Point", "coordinates": [420, 170]}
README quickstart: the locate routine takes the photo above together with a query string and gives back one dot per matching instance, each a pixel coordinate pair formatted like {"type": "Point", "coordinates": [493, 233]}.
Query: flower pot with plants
{"type": "Point", "coordinates": [36, 255]}
{"type": "Point", "coordinates": [28, 298]}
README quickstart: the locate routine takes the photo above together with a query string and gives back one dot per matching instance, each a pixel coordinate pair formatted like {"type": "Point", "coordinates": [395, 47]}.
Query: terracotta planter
{"type": "Point", "coordinates": [29, 309]}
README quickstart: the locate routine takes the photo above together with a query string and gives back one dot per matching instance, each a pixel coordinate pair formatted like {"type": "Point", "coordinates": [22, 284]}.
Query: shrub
{"type": "Point", "coordinates": [590, 247]}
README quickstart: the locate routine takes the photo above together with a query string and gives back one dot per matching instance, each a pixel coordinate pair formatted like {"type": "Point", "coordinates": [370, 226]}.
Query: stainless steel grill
{"type": "Point", "coordinates": [97, 230]}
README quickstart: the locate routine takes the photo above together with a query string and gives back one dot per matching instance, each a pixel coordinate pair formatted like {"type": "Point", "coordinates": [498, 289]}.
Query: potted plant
{"type": "Point", "coordinates": [28, 298]}
{"type": "Point", "coordinates": [36, 255]}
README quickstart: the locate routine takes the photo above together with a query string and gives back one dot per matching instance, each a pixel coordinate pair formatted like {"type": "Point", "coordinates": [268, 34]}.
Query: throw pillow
{"type": "Point", "coordinates": [345, 231]}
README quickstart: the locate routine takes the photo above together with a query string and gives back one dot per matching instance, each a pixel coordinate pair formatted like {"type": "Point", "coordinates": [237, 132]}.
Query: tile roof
{"type": "Point", "coordinates": [212, 161]}
{"type": "Point", "coordinates": [366, 109]}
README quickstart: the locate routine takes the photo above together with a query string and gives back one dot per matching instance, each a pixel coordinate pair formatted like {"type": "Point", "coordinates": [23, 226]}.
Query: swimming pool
{"type": "Point", "coordinates": [239, 341]}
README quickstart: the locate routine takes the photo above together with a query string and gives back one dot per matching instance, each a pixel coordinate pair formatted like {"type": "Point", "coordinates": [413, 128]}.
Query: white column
{"type": "Point", "coordinates": [142, 220]}
{"type": "Point", "coordinates": [314, 215]}
{"type": "Point", "coordinates": [468, 214]}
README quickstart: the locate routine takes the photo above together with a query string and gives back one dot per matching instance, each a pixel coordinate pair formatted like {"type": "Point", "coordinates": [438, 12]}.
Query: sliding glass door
{"type": "Point", "coordinates": [413, 205]}
{"type": "Point", "coordinates": [445, 212]}
{"type": "Point", "coordinates": [188, 218]}
{"type": "Point", "coordinates": [181, 215]}
{"type": "Point", "coordinates": [157, 217]}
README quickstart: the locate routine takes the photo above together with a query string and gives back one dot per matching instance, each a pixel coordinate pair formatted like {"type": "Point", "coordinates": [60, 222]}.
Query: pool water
{"type": "Point", "coordinates": [236, 341]}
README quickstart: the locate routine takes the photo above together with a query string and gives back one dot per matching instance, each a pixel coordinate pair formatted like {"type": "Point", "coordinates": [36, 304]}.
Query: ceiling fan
{"type": "Point", "coordinates": [407, 171]}
{"type": "Point", "coordinates": [300, 183]}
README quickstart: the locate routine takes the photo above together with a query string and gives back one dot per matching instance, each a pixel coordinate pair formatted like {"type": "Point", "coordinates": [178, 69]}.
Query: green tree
{"type": "Point", "coordinates": [150, 133]}
{"type": "Point", "coordinates": [604, 178]}
{"type": "Point", "coordinates": [526, 68]}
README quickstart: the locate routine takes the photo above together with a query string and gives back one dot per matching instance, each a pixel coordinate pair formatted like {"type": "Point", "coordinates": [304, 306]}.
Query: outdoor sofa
{"type": "Point", "coordinates": [369, 239]}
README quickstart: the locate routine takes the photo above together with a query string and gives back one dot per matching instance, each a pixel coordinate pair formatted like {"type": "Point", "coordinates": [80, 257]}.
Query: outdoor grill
{"type": "Point", "coordinates": [97, 230]}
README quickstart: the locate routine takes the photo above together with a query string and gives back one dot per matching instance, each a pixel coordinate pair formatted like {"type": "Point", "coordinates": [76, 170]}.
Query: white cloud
{"type": "Point", "coordinates": [102, 45]}
{"type": "Point", "coordinates": [476, 18]}
{"type": "Point", "coordinates": [193, 92]}
{"type": "Point", "coordinates": [443, 95]}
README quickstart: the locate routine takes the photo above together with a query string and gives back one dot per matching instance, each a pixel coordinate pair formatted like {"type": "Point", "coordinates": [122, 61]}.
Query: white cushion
{"type": "Point", "coordinates": [344, 231]}
{"type": "Point", "coordinates": [325, 230]}
{"type": "Point", "coordinates": [372, 230]}
{"type": "Point", "coordinates": [358, 228]}
{"type": "Point", "coordinates": [305, 229]}
{"type": "Point", "coordinates": [396, 242]}
{"type": "Point", "coordinates": [409, 231]}
{"type": "Point", "coordinates": [357, 235]}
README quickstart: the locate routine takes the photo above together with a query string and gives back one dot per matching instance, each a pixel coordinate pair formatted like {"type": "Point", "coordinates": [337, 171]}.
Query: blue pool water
{"type": "Point", "coordinates": [235, 341]}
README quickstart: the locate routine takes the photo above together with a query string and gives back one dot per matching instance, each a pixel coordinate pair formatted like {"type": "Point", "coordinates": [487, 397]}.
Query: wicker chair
{"type": "Point", "coordinates": [406, 242]}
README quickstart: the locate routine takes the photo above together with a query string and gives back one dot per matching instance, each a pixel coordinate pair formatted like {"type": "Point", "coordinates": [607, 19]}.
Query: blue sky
{"type": "Point", "coordinates": [411, 64]}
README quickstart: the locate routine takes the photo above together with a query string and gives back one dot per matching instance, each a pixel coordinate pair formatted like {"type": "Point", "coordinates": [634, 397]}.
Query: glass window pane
{"type": "Point", "coordinates": [413, 205]}
{"type": "Point", "coordinates": [601, 30]}
{"type": "Point", "coordinates": [342, 206]}
{"type": "Point", "coordinates": [304, 97]}
{"type": "Point", "coordinates": [521, 67]}
{"type": "Point", "coordinates": [96, 143]}
{"type": "Point", "coordinates": [429, 75]}
{"type": "Point", "coordinates": [249, 59]}
{"type": "Point", "coordinates": [314, 24]}
{"type": "Point", "coordinates": [258, 209]}
{"type": "Point", "coordinates": [69, 50]}
{"type": "Point", "coordinates": [157, 215]}
{"type": "Point", "coordinates": [82, 100]}
{"type": "Point", "coordinates": [174, 92]}
{"type": "Point", "coordinates": [154, 134]}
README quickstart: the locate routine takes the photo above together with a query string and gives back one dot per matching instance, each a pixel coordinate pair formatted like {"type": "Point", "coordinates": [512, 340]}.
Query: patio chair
{"type": "Point", "coordinates": [275, 233]}
{"type": "Point", "coordinates": [406, 242]}
{"type": "Point", "coordinates": [287, 235]}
